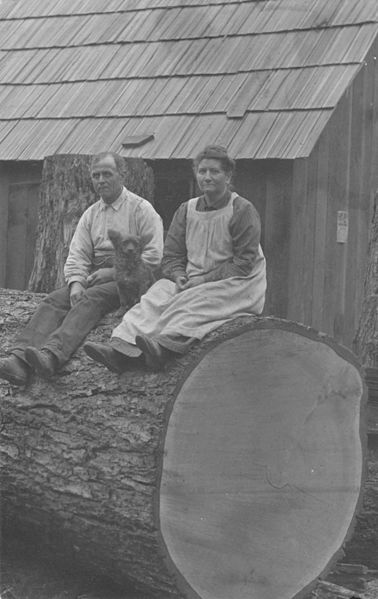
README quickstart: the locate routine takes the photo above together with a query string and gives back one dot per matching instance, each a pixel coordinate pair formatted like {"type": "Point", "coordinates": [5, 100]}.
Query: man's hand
{"type": "Point", "coordinates": [76, 292]}
{"type": "Point", "coordinates": [193, 282]}
{"type": "Point", "coordinates": [102, 275]}
{"type": "Point", "coordinates": [180, 281]}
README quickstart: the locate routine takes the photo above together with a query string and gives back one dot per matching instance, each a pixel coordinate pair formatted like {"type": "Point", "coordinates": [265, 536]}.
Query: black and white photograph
{"type": "Point", "coordinates": [189, 299]}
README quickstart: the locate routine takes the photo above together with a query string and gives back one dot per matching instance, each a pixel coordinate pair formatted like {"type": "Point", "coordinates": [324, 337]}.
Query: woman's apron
{"type": "Point", "coordinates": [198, 310]}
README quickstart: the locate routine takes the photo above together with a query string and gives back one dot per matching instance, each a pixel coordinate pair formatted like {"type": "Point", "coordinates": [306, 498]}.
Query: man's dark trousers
{"type": "Point", "coordinates": [60, 328]}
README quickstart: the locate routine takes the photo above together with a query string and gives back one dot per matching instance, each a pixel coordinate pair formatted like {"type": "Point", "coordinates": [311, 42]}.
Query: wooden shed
{"type": "Point", "coordinates": [289, 86]}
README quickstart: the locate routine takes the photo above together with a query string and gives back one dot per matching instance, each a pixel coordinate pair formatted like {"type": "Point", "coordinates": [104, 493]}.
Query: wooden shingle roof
{"type": "Point", "coordinates": [260, 76]}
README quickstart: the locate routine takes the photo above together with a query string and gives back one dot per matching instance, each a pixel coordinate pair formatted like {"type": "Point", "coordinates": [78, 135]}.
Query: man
{"type": "Point", "coordinates": [65, 316]}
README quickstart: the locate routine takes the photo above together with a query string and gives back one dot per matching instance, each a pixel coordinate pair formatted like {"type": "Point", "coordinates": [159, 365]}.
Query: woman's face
{"type": "Point", "coordinates": [212, 180]}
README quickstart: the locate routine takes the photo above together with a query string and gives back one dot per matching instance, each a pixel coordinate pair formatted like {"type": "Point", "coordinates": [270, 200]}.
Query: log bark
{"type": "Point", "coordinates": [235, 472]}
{"type": "Point", "coordinates": [366, 341]}
{"type": "Point", "coordinates": [364, 544]}
{"type": "Point", "coordinates": [66, 191]}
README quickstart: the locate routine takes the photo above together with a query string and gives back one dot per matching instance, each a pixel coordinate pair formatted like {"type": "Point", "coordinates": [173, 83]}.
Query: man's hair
{"type": "Point", "coordinates": [119, 161]}
{"type": "Point", "coordinates": [216, 153]}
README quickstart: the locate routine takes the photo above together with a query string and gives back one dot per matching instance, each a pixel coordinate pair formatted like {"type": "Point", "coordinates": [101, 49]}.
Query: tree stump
{"type": "Point", "coordinates": [234, 473]}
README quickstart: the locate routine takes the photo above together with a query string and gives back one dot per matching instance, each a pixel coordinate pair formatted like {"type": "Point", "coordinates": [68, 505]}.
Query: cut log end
{"type": "Point", "coordinates": [262, 468]}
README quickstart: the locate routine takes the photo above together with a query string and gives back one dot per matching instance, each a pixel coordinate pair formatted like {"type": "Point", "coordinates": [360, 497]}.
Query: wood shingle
{"type": "Point", "coordinates": [177, 69]}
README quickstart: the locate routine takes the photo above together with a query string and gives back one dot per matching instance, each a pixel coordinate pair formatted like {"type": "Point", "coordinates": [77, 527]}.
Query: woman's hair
{"type": "Point", "coordinates": [216, 153]}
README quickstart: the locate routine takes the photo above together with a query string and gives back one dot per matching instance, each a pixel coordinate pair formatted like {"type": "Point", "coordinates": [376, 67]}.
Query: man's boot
{"type": "Point", "coordinates": [15, 371]}
{"type": "Point", "coordinates": [42, 361]}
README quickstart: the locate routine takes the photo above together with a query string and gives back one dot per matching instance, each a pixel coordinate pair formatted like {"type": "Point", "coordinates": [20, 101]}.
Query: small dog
{"type": "Point", "coordinates": [132, 275]}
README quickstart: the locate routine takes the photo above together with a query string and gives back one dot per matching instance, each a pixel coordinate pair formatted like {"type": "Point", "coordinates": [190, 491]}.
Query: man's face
{"type": "Point", "coordinates": [106, 179]}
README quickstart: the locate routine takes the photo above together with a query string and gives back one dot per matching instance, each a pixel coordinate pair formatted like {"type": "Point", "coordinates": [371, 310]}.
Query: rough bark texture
{"type": "Point", "coordinates": [366, 347]}
{"type": "Point", "coordinates": [363, 546]}
{"type": "Point", "coordinates": [66, 191]}
{"type": "Point", "coordinates": [366, 341]}
{"type": "Point", "coordinates": [80, 452]}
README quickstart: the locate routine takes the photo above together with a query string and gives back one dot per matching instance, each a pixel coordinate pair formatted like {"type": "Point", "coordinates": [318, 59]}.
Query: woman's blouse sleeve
{"type": "Point", "coordinates": [245, 229]}
{"type": "Point", "coordinates": [175, 255]}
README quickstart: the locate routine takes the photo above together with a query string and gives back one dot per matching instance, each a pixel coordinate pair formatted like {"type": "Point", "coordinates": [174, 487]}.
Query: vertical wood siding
{"type": "Point", "coordinates": [174, 184]}
{"type": "Point", "coordinates": [326, 277]}
{"type": "Point", "coordinates": [268, 185]}
{"type": "Point", "coordinates": [297, 263]}
{"type": "Point", "coordinates": [277, 234]}
{"type": "Point", "coordinates": [3, 222]}
{"type": "Point", "coordinates": [22, 227]}
{"type": "Point", "coordinates": [19, 192]}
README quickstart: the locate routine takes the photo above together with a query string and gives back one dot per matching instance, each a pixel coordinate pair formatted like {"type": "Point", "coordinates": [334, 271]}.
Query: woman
{"type": "Point", "coordinates": [214, 271]}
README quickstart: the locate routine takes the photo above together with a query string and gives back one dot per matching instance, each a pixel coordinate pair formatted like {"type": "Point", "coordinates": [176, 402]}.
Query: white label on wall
{"type": "Point", "coordinates": [342, 226]}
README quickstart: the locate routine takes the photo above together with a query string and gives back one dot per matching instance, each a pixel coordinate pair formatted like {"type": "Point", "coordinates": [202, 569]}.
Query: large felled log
{"type": "Point", "coordinates": [236, 472]}
{"type": "Point", "coordinates": [66, 191]}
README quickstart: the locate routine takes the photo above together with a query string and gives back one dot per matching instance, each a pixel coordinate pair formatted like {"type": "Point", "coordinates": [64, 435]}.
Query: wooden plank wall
{"type": "Point", "coordinates": [4, 185]}
{"type": "Point", "coordinates": [19, 192]}
{"type": "Point", "coordinates": [268, 185]}
{"type": "Point", "coordinates": [326, 276]}
{"type": "Point", "coordinates": [22, 227]}
{"type": "Point", "coordinates": [174, 184]}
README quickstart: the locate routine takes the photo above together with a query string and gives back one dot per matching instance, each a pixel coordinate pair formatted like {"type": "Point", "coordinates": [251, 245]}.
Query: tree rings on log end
{"type": "Point", "coordinates": [262, 466]}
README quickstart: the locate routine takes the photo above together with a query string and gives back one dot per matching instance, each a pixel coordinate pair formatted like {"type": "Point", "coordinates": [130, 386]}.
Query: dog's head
{"type": "Point", "coordinates": [127, 245]}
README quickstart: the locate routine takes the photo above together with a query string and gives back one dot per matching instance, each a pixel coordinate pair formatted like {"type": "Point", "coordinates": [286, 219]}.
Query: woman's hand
{"type": "Point", "coordinates": [102, 275]}
{"type": "Point", "coordinates": [180, 281]}
{"type": "Point", "coordinates": [76, 292]}
{"type": "Point", "coordinates": [193, 282]}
